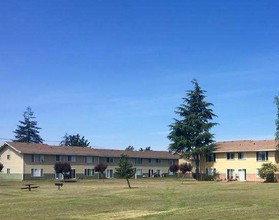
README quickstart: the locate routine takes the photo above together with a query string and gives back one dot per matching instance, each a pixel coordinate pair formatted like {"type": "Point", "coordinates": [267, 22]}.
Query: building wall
{"type": "Point", "coordinates": [249, 163]}
{"type": "Point", "coordinates": [13, 164]}
{"type": "Point", "coordinates": [48, 166]}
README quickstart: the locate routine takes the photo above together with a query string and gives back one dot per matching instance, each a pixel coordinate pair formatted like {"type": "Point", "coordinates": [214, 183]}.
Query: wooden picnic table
{"type": "Point", "coordinates": [29, 186]}
{"type": "Point", "coordinates": [59, 184]}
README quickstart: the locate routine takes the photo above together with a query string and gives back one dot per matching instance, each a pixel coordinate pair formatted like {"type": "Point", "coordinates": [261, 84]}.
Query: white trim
{"type": "Point", "coordinates": [12, 147]}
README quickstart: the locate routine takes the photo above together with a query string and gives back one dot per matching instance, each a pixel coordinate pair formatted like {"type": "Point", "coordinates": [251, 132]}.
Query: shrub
{"type": "Point", "coordinates": [267, 171]}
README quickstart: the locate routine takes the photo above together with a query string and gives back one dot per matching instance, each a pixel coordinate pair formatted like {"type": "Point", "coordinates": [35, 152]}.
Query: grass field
{"type": "Point", "coordinates": [158, 198]}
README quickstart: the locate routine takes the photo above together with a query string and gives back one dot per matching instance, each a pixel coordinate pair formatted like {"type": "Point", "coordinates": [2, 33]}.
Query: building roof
{"type": "Point", "coordinates": [32, 148]}
{"type": "Point", "coordinates": [246, 146]}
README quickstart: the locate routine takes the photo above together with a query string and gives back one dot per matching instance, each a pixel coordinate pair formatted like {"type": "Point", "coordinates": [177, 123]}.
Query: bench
{"type": "Point", "coordinates": [29, 187]}
{"type": "Point", "coordinates": [58, 185]}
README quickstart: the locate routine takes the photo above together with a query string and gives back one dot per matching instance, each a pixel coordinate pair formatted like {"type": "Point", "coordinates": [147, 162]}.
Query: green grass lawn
{"type": "Point", "coordinates": [158, 198]}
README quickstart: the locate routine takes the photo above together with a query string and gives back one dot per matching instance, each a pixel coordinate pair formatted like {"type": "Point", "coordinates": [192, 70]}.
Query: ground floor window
{"type": "Point", "coordinates": [258, 173]}
{"type": "Point", "coordinates": [139, 172]}
{"type": "Point", "coordinates": [59, 176]}
{"type": "Point", "coordinates": [8, 171]}
{"type": "Point", "coordinates": [210, 171]}
{"type": "Point", "coordinates": [89, 172]}
{"type": "Point", "coordinates": [37, 172]}
{"type": "Point", "coordinates": [109, 173]}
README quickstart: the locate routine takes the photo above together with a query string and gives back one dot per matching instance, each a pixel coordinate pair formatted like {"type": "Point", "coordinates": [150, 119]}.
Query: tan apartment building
{"type": "Point", "coordinates": [36, 161]}
{"type": "Point", "coordinates": [240, 160]}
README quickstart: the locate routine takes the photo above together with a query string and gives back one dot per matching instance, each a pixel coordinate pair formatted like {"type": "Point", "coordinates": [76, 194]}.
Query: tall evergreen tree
{"type": "Point", "coordinates": [190, 136]}
{"type": "Point", "coordinates": [74, 140]}
{"type": "Point", "coordinates": [28, 131]}
{"type": "Point", "coordinates": [276, 99]}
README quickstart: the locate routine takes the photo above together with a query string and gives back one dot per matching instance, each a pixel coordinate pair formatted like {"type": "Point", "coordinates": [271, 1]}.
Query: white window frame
{"type": "Point", "coordinates": [89, 172]}
{"type": "Point", "coordinates": [261, 154]}
{"type": "Point", "coordinates": [72, 158]}
{"type": "Point", "coordinates": [37, 158]}
{"type": "Point", "coordinates": [244, 155]}
{"type": "Point", "coordinates": [35, 172]}
{"type": "Point", "coordinates": [139, 172]}
{"type": "Point", "coordinates": [230, 156]}
{"type": "Point", "coordinates": [89, 159]}
{"type": "Point", "coordinates": [257, 173]}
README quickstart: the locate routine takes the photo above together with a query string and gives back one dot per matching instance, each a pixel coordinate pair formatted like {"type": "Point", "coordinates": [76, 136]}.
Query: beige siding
{"type": "Point", "coordinates": [15, 163]}
{"type": "Point", "coordinates": [249, 163]}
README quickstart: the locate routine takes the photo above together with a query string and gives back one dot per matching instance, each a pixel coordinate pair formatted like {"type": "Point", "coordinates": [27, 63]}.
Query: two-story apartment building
{"type": "Point", "coordinates": [240, 160]}
{"type": "Point", "coordinates": [36, 161]}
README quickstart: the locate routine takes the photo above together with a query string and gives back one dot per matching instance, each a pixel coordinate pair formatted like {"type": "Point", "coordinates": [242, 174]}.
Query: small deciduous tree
{"type": "Point", "coordinates": [74, 140]}
{"type": "Point", "coordinates": [174, 168]}
{"type": "Point", "coordinates": [267, 171]}
{"type": "Point", "coordinates": [100, 168]}
{"type": "Point", "coordinates": [125, 169]}
{"type": "Point", "coordinates": [184, 168]}
{"type": "Point", "coordinates": [1, 167]}
{"type": "Point", "coordinates": [28, 131]}
{"type": "Point", "coordinates": [62, 167]}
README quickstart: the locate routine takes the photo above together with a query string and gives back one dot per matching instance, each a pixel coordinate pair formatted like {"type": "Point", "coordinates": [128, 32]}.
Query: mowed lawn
{"type": "Point", "coordinates": [157, 198]}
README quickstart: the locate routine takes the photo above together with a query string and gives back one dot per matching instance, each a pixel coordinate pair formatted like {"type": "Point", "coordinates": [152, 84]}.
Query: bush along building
{"type": "Point", "coordinates": [25, 161]}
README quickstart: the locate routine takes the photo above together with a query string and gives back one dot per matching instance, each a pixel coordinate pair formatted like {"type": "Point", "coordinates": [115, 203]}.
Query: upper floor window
{"type": "Point", "coordinates": [72, 158]}
{"type": "Point", "coordinates": [8, 157]}
{"type": "Point", "coordinates": [230, 156]}
{"type": "Point", "coordinates": [210, 157]}
{"type": "Point", "coordinates": [89, 159]}
{"type": "Point", "coordinates": [171, 162]}
{"type": "Point", "coordinates": [109, 160]}
{"type": "Point", "coordinates": [138, 161]}
{"type": "Point", "coordinates": [242, 155]}
{"type": "Point", "coordinates": [37, 158]}
{"type": "Point", "coordinates": [262, 156]}
{"type": "Point", "coordinates": [158, 160]}
{"type": "Point", "coordinates": [149, 160]}
{"type": "Point", "coordinates": [59, 158]}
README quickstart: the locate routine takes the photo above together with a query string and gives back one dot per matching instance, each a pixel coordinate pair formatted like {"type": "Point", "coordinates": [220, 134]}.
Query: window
{"type": "Point", "coordinates": [171, 162]}
{"type": "Point", "coordinates": [210, 171]}
{"type": "Point", "coordinates": [109, 160]}
{"type": "Point", "coordinates": [158, 161]}
{"type": "Point", "coordinates": [230, 174]}
{"type": "Point", "coordinates": [210, 157]}
{"type": "Point", "coordinates": [262, 156]}
{"type": "Point", "coordinates": [242, 155]}
{"type": "Point", "coordinates": [139, 172]}
{"type": "Point", "coordinates": [37, 158]}
{"type": "Point", "coordinates": [230, 156]}
{"type": "Point", "coordinates": [149, 160]}
{"type": "Point", "coordinates": [72, 158]}
{"type": "Point", "coordinates": [8, 157]}
{"type": "Point", "coordinates": [37, 172]}
{"type": "Point", "coordinates": [59, 158]}
{"type": "Point", "coordinates": [89, 172]}
{"type": "Point", "coordinates": [8, 171]}
{"type": "Point", "coordinates": [89, 159]}
{"type": "Point", "coordinates": [138, 161]}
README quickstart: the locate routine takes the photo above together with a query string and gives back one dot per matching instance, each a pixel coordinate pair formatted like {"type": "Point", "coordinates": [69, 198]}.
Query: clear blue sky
{"type": "Point", "coordinates": [114, 71]}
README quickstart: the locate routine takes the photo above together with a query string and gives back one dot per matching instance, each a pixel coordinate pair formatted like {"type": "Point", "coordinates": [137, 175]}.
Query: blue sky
{"type": "Point", "coordinates": [114, 71]}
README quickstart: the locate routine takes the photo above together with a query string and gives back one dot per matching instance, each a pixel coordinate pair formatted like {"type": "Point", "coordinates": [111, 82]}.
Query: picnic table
{"type": "Point", "coordinates": [29, 186]}
{"type": "Point", "coordinates": [59, 185]}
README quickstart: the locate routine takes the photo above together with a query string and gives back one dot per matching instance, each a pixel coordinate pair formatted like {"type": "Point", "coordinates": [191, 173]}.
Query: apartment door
{"type": "Point", "coordinates": [109, 173]}
{"type": "Point", "coordinates": [72, 174]}
{"type": "Point", "coordinates": [242, 174]}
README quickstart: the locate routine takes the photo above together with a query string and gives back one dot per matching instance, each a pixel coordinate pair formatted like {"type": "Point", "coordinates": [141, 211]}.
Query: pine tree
{"type": "Point", "coordinates": [125, 169]}
{"type": "Point", "coordinates": [28, 131]}
{"type": "Point", "coordinates": [190, 136]}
